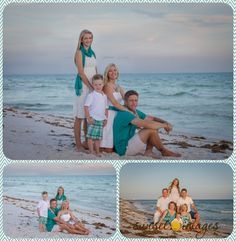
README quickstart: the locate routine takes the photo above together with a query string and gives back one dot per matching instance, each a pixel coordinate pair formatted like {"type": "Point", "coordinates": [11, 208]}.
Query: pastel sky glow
{"type": "Point", "coordinates": [58, 169]}
{"type": "Point", "coordinates": [203, 181]}
{"type": "Point", "coordinates": [157, 38]}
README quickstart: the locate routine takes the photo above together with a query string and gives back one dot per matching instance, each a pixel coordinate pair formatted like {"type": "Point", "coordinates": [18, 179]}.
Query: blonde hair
{"type": "Point", "coordinates": [181, 207]}
{"type": "Point", "coordinates": [106, 78]}
{"type": "Point", "coordinates": [63, 205]}
{"type": "Point", "coordinates": [83, 32]}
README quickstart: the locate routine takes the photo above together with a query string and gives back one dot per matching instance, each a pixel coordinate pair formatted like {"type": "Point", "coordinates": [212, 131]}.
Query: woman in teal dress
{"type": "Point", "coordinates": [169, 215]}
{"type": "Point", "coordinates": [60, 197]}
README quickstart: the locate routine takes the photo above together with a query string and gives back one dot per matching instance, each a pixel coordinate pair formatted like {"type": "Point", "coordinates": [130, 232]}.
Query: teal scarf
{"type": "Point", "coordinates": [78, 81]}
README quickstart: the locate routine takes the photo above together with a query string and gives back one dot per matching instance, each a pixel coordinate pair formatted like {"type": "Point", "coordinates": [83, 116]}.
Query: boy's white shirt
{"type": "Point", "coordinates": [97, 103]}
{"type": "Point", "coordinates": [43, 208]}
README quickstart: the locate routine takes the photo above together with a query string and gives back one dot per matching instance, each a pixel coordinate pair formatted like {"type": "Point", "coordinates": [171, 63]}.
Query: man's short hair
{"type": "Point", "coordinates": [52, 200]}
{"type": "Point", "coordinates": [184, 190]}
{"type": "Point", "coordinates": [96, 77]}
{"type": "Point", "coordinates": [129, 93]}
{"type": "Point", "coordinates": [44, 193]}
{"type": "Point", "coordinates": [164, 189]}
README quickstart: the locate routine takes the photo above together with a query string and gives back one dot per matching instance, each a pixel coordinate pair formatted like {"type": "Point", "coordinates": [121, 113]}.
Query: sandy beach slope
{"type": "Point", "coordinates": [130, 216]}
{"type": "Point", "coordinates": [20, 221]}
{"type": "Point", "coordinates": [29, 135]}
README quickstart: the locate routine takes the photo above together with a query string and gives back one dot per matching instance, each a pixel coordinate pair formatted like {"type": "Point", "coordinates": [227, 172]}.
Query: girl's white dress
{"type": "Point", "coordinates": [90, 71]}
{"type": "Point", "coordinates": [67, 218]}
{"type": "Point", "coordinates": [174, 195]}
{"type": "Point", "coordinates": [107, 139]}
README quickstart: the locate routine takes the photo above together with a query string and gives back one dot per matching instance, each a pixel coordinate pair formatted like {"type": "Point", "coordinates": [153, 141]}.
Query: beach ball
{"type": "Point", "coordinates": [175, 225]}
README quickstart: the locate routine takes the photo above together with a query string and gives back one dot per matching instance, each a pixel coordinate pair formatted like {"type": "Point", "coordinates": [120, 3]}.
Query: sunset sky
{"type": "Point", "coordinates": [202, 180]}
{"type": "Point", "coordinates": [147, 38]}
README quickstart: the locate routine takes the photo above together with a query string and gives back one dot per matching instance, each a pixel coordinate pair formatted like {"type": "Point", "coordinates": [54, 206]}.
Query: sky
{"type": "Point", "coordinates": [58, 169]}
{"type": "Point", "coordinates": [139, 38]}
{"type": "Point", "coordinates": [203, 181]}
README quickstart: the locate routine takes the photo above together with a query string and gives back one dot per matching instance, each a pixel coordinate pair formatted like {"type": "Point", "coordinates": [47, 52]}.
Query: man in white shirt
{"type": "Point", "coordinates": [162, 205]}
{"type": "Point", "coordinates": [185, 199]}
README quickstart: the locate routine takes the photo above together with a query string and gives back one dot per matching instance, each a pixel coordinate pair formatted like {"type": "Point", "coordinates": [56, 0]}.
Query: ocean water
{"type": "Point", "coordinates": [197, 103]}
{"type": "Point", "coordinates": [210, 210]}
{"type": "Point", "coordinates": [89, 192]}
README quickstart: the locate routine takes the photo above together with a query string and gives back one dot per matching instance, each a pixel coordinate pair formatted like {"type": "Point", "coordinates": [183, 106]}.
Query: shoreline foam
{"type": "Point", "coordinates": [29, 135]}
{"type": "Point", "coordinates": [20, 221]}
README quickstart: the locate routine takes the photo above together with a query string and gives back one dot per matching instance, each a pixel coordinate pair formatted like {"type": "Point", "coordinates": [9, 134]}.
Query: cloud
{"type": "Point", "coordinates": [44, 36]}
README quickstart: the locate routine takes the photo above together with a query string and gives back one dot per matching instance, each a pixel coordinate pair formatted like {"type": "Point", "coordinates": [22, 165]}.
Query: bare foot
{"type": "Point", "coordinates": [149, 153]}
{"type": "Point", "coordinates": [85, 145]}
{"type": "Point", "coordinates": [98, 154]}
{"type": "Point", "coordinates": [80, 148]}
{"type": "Point", "coordinates": [170, 153]}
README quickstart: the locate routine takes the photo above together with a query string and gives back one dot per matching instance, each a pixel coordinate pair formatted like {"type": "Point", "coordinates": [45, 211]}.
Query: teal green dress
{"type": "Point", "coordinates": [60, 200]}
{"type": "Point", "coordinates": [169, 218]}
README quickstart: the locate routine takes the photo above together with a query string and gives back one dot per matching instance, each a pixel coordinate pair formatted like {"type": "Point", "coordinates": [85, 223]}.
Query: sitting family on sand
{"type": "Point", "coordinates": [55, 215]}
{"type": "Point", "coordinates": [175, 208]}
{"type": "Point", "coordinates": [109, 125]}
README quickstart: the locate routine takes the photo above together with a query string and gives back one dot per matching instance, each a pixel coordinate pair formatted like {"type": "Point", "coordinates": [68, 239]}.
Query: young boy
{"type": "Point", "coordinates": [42, 210]}
{"type": "Point", "coordinates": [96, 113]}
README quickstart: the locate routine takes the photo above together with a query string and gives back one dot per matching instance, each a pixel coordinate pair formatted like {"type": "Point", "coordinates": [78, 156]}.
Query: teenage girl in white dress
{"type": "Point", "coordinates": [85, 60]}
{"type": "Point", "coordinates": [74, 224]}
{"type": "Point", "coordinates": [174, 190]}
{"type": "Point", "coordinates": [115, 96]}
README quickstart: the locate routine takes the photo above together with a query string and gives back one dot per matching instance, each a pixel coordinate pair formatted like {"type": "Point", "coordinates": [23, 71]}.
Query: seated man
{"type": "Point", "coordinates": [54, 224]}
{"type": "Point", "coordinates": [185, 199]}
{"type": "Point", "coordinates": [126, 142]}
{"type": "Point", "coordinates": [162, 205]}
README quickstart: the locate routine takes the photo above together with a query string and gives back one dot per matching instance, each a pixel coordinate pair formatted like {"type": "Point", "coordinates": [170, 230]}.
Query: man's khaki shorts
{"type": "Point", "coordinates": [135, 146]}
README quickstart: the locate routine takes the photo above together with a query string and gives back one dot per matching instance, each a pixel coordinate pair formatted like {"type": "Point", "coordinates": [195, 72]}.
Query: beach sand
{"type": "Point", "coordinates": [20, 221]}
{"type": "Point", "coordinates": [130, 216]}
{"type": "Point", "coordinates": [28, 135]}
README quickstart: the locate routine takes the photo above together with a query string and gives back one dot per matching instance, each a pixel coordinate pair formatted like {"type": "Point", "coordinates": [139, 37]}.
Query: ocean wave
{"type": "Point", "coordinates": [225, 211]}
{"type": "Point", "coordinates": [177, 94]}
{"type": "Point", "coordinates": [30, 105]}
{"type": "Point", "coordinates": [219, 211]}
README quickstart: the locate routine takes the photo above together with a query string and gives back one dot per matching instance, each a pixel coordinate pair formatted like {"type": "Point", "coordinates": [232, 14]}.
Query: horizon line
{"type": "Point", "coordinates": [192, 72]}
{"type": "Point", "coordinates": [191, 196]}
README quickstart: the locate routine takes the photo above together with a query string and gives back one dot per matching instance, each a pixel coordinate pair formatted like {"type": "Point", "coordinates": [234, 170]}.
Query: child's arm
{"type": "Point", "coordinates": [38, 212]}
{"type": "Point", "coordinates": [190, 218]}
{"type": "Point", "coordinates": [88, 103]}
{"type": "Point", "coordinates": [105, 121]}
{"type": "Point", "coordinates": [87, 115]}
{"type": "Point", "coordinates": [73, 217]}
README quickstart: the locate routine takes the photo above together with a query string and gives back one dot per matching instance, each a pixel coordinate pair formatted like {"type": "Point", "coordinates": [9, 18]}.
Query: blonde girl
{"type": "Point", "coordinates": [74, 225]}
{"type": "Point", "coordinates": [85, 61]}
{"type": "Point", "coordinates": [115, 94]}
{"type": "Point", "coordinates": [185, 215]}
{"type": "Point", "coordinates": [174, 190]}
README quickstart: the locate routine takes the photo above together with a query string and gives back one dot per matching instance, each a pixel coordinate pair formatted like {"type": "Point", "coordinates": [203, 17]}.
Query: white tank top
{"type": "Point", "coordinates": [65, 217]}
{"type": "Point", "coordinates": [117, 96]}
